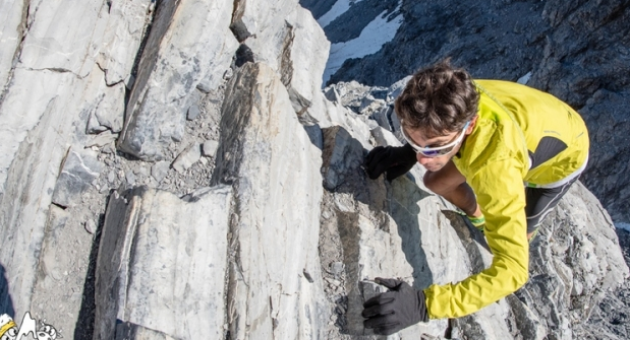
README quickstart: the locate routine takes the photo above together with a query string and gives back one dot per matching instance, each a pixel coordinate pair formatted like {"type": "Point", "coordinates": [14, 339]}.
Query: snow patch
{"type": "Point", "coordinates": [524, 79]}
{"type": "Point", "coordinates": [624, 226]}
{"type": "Point", "coordinates": [340, 7]}
{"type": "Point", "coordinates": [371, 40]}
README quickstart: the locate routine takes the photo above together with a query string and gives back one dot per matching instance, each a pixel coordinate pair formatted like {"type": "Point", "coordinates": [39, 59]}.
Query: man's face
{"type": "Point", "coordinates": [420, 138]}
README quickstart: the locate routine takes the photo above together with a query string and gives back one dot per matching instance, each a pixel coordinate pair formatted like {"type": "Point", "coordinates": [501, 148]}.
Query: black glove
{"type": "Point", "coordinates": [396, 160]}
{"type": "Point", "coordinates": [389, 312]}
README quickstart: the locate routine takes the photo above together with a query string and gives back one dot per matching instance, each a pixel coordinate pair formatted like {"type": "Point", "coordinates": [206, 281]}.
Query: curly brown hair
{"type": "Point", "coordinates": [438, 100]}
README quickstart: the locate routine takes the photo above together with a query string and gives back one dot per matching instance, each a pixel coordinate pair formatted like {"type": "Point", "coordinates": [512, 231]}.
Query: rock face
{"type": "Point", "coordinates": [173, 170]}
{"type": "Point", "coordinates": [576, 50]}
{"type": "Point", "coordinates": [176, 59]}
{"type": "Point", "coordinates": [592, 75]}
{"type": "Point", "coordinates": [162, 264]}
{"type": "Point", "coordinates": [554, 303]}
{"type": "Point", "coordinates": [269, 158]}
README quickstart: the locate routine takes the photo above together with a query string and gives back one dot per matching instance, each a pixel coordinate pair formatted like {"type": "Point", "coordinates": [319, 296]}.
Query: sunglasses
{"type": "Point", "coordinates": [438, 150]}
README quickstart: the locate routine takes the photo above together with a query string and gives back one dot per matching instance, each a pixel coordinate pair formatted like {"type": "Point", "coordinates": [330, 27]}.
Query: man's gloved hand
{"type": "Point", "coordinates": [396, 160]}
{"type": "Point", "coordinates": [389, 312]}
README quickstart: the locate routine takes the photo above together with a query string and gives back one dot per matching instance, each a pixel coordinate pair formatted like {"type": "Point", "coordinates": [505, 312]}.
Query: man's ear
{"type": "Point", "coordinates": [472, 124]}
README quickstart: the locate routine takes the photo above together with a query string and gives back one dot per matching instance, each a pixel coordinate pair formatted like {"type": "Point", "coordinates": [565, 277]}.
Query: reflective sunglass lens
{"type": "Point", "coordinates": [430, 153]}
{"type": "Point", "coordinates": [435, 153]}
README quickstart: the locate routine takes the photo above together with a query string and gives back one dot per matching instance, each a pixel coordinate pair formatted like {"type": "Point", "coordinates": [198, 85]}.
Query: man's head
{"type": "Point", "coordinates": [438, 108]}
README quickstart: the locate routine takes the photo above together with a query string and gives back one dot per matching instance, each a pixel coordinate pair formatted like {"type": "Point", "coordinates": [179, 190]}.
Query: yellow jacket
{"type": "Point", "coordinates": [495, 159]}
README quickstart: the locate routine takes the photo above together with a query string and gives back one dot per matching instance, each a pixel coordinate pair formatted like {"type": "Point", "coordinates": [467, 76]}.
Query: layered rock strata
{"type": "Point", "coordinates": [160, 267]}
{"type": "Point", "coordinates": [171, 173]}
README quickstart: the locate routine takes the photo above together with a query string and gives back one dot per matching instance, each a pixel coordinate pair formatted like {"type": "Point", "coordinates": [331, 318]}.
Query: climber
{"type": "Point", "coordinates": [504, 154]}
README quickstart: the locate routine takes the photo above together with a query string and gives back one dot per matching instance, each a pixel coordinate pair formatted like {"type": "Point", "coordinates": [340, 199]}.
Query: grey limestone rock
{"type": "Point", "coordinates": [374, 105]}
{"type": "Point", "coordinates": [193, 112]}
{"type": "Point", "coordinates": [267, 155]}
{"type": "Point", "coordinates": [287, 46]}
{"type": "Point", "coordinates": [102, 139]}
{"type": "Point", "coordinates": [106, 110]}
{"type": "Point", "coordinates": [55, 47]}
{"type": "Point", "coordinates": [315, 134]}
{"type": "Point", "coordinates": [54, 79]}
{"type": "Point", "coordinates": [209, 148]}
{"type": "Point", "coordinates": [342, 153]}
{"type": "Point", "coordinates": [12, 32]}
{"type": "Point", "coordinates": [175, 60]}
{"type": "Point", "coordinates": [187, 158]}
{"type": "Point", "coordinates": [62, 268]}
{"type": "Point", "coordinates": [305, 80]}
{"type": "Point", "coordinates": [382, 232]}
{"type": "Point", "coordinates": [161, 266]}
{"type": "Point", "coordinates": [159, 170]}
{"type": "Point", "coordinates": [80, 169]}
{"type": "Point", "coordinates": [122, 39]}
{"type": "Point", "coordinates": [279, 245]}
{"type": "Point", "coordinates": [255, 24]}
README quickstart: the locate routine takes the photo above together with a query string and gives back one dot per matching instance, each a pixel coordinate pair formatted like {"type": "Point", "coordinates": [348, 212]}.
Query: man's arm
{"type": "Point", "coordinates": [500, 194]}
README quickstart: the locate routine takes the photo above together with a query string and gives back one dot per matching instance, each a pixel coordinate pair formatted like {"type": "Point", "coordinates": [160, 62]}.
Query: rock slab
{"type": "Point", "coordinates": [275, 284]}
{"type": "Point", "coordinates": [161, 263]}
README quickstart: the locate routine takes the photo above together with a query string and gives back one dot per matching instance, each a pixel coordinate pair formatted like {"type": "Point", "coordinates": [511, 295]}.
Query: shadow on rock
{"type": "Point", "coordinates": [403, 197]}
{"type": "Point", "coordinates": [371, 226]}
{"type": "Point", "coordinates": [6, 303]}
{"type": "Point", "coordinates": [84, 329]}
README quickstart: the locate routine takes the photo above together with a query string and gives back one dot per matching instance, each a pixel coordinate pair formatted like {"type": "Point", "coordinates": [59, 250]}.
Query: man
{"type": "Point", "coordinates": [501, 152]}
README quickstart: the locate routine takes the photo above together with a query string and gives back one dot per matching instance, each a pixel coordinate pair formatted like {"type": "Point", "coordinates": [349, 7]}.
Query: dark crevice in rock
{"type": "Point", "coordinates": [237, 27]}
{"type": "Point", "coordinates": [389, 114]}
{"type": "Point", "coordinates": [84, 329]}
{"type": "Point", "coordinates": [308, 276]}
{"type": "Point", "coordinates": [234, 270]}
{"type": "Point", "coordinates": [108, 84]}
{"type": "Point", "coordinates": [146, 58]}
{"type": "Point", "coordinates": [243, 55]}
{"type": "Point", "coordinates": [349, 233]}
{"type": "Point", "coordinates": [151, 14]}
{"type": "Point", "coordinates": [111, 258]}
{"type": "Point", "coordinates": [523, 320]}
{"type": "Point", "coordinates": [125, 330]}
{"type": "Point", "coordinates": [235, 115]}
{"type": "Point", "coordinates": [285, 62]}
{"type": "Point", "coordinates": [56, 70]}
{"type": "Point", "coordinates": [59, 205]}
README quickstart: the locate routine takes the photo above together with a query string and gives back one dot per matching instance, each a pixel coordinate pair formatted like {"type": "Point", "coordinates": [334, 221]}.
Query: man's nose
{"type": "Point", "coordinates": [422, 159]}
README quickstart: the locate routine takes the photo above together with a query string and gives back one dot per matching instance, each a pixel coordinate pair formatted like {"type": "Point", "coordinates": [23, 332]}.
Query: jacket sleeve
{"type": "Point", "coordinates": [500, 194]}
